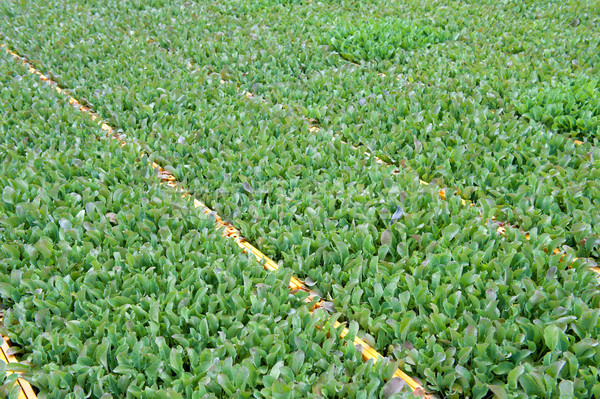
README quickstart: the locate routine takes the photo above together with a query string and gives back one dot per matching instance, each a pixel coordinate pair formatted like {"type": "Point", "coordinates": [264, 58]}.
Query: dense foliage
{"type": "Point", "coordinates": [573, 108]}
{"type": "Point", "coordinates": [483, 97]}
{"type": "Point", "coordinates": [114, 286]}
{"type": "Point", "coordinates": [9, 388]}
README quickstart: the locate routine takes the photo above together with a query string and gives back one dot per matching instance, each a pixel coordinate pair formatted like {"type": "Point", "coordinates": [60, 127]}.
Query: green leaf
{"type": "Point", "coordinates": [470, 337]}
{"type": "Point", "coordinates": [592, 243]}
{"type": "Point", "coordinates": [551, 336]}
{"type": "Point", "coordinates": [44, 247]}
{"type": "Point", "coordinates": [101, 354]}
{"type": "Point", "coordinates": [451, 231]}
{"type": "Point", "coordinates": [566, 390]}
{"type": "Point", "coordinates": [17, 367]}
{"type": "Point", "coordinates": [352, 331]}
{"type": "Point", "coordinates": [176, 361]}
{"type": "Point", "coordinates": [498, 391]}
{"type": "Point", "coordinates": [513, 377]}
{"type": "Point", "coordinates": [533, 384]}
{"type": "Point", "coordinates": [386, 237]}
{"type": "Point", "coordinates": [241, 378]}
{"type": "Point", "coordinates": [9, 194]}
{"type": "Point", "coordinates": [226, 384]}
{"type": "Point", "coordinates": [11, 250]}
{"type": "Point", "coordinates": [554, 369]}
{"type": "Point", "coordinates": [393, 386]}
{"type": "Point", "coordinates": [342, 248]}
{"type": "Point", "coordinates": [297, 361]}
